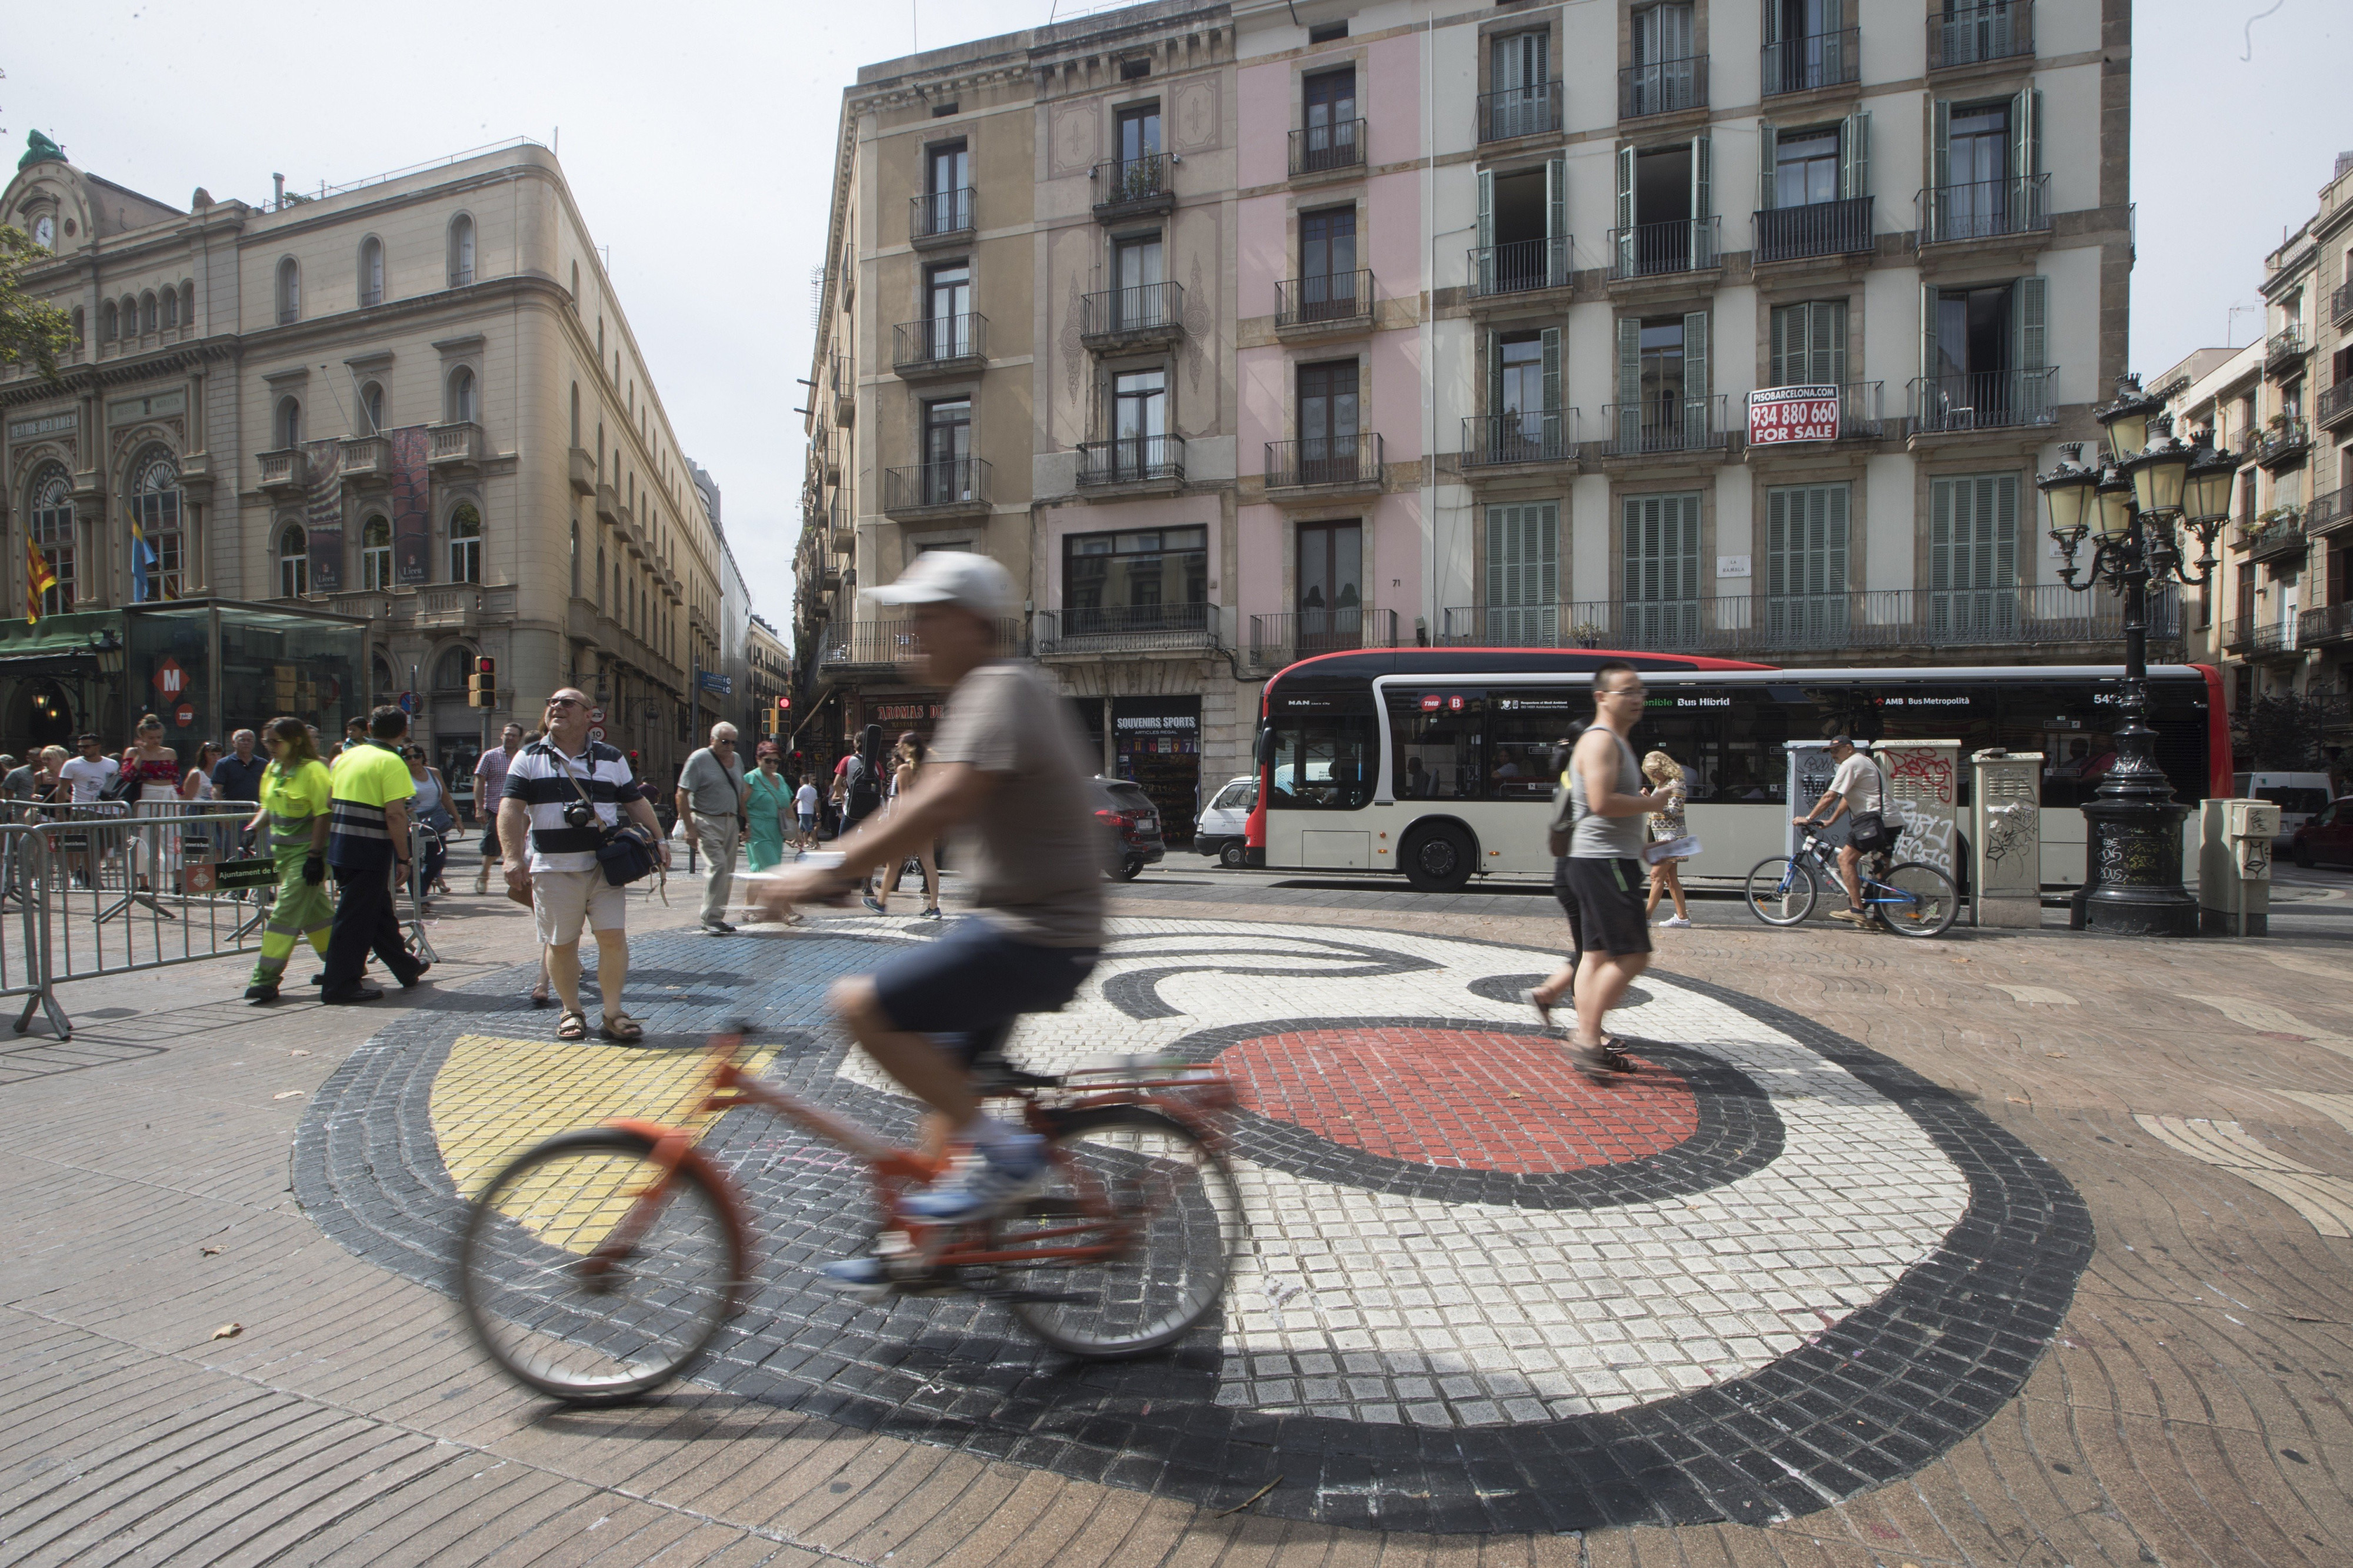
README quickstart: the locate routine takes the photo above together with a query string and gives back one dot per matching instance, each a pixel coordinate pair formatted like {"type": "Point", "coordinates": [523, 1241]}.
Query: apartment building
{"type": "Point", "coordinates": [315, 451]}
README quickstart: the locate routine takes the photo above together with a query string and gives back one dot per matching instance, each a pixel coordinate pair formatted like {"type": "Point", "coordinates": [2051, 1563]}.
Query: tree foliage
{"type": "Point", "coordinates": [2282, 732]}
{"type": "Point", "coordinates": [31, 330]}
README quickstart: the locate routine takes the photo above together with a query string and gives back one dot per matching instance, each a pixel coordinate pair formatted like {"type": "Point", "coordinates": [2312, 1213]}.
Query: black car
{"type": "Point", "coordinates": [1132, 823]}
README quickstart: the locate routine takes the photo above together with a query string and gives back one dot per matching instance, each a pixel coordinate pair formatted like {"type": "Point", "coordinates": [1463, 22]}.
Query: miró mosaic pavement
{"type": "Point", "coordinates": [1767, 1271]}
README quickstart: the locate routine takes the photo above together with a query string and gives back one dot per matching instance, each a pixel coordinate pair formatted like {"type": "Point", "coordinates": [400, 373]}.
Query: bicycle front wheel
{"type": "Point", "coordinates": [1924, 902]}
{"type": "Point", "coordinates": [1132, 1238]}
{"type": "Point", "coordinates": [582, 1286]}
{"type": "Point", "coordinates": [1780, 892]}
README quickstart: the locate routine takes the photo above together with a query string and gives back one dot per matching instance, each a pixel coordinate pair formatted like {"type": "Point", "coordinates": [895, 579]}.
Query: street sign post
{"type": "Point", "coordinates": [1781, 414]}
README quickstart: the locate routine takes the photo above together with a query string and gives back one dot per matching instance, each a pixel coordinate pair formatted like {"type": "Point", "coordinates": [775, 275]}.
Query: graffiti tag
{"type": "Point", "coordinates": [1920, 775]}
{"type": "Point", "coordinates": [1928, 836]}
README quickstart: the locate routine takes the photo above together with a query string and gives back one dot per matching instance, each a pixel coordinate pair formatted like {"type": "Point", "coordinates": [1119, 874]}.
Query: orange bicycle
{"type": "Point", "coordinates": [601, 1264]}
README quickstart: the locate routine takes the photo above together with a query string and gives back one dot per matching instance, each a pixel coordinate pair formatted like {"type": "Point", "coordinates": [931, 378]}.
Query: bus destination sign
{"type": "Point", "coordinates": [1783, 414]}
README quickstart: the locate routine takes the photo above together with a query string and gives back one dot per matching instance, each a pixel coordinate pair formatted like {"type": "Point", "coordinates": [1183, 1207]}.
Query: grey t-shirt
{"type": "Point", "coordinates": [1598, 838]}
{"type": "Point", "coordinates": [1034, 849]}
{"type": "Point", "coordinates": [712, 788]}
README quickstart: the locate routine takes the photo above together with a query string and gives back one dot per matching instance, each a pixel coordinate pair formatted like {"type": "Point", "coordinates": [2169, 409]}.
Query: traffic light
{"type": "Point", "coordinates": [482, 686]}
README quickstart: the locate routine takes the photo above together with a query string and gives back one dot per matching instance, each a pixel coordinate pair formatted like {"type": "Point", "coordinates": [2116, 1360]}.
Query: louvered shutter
{"type": "Point", "coordinates": [1769, 155]}
{"type": "Point", "coordinates": [1702, 205]}
{"type": "Point", "coordinates": [1833, 43]}
{"type": "Point", "coordinates": [1784, 320]}
{"type": "Point", "coordinates": [1940, 168]}
{"type": "Point", "coordinates": [1928, 403]}
{"type": "Point", "coordinates": [1662, 577]}
{"type": "Point", "coordinates": [2026, 162]}
{"type": "Point", "coordinates": [1555, 445]}
{"type": "Point", "coordinates": [1854, 156]}
{"type": "Point", "coordinates": [1698, 406]}
{"type": "Point", "coordinates": [1629, 384]}
{"type": "Point", "coordinates": [1524, 575]}
{"type": "Point", "coordinates": [2031, 350]}
{"type": "Point", "coordinates": [1625, 212]}
{"type": "Point", "coordinates": [2000, 504]}
{"type": "Point", "coordinates": [1485, 282]}
{"type": "Point", "coordinates": [1826, 342]}
{"type": "Point", "coordinates": [1557, 221]}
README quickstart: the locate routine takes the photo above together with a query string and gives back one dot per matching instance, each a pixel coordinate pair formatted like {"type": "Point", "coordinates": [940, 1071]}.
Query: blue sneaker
{"type": "Point", "coordinates": [1004, 1173]}
{"type": "Point", "coordinates": [856, 1273]}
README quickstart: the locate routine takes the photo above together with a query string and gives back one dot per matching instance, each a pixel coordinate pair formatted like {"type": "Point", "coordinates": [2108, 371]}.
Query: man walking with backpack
{"type": "Point", "coordinates": [861, 792]}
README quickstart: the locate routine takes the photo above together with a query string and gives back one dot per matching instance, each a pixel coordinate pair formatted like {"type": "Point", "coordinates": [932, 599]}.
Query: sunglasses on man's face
{"type": "Point", "coordinates": [565, 702]}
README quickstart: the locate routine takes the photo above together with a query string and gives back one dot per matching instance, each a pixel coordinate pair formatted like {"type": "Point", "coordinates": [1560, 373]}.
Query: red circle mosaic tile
{"type": "Point", "coordinates": [1459, 1099]}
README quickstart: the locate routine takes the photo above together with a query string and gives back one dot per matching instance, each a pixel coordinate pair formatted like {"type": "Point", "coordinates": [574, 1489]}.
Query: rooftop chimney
{"type": "Point", "coordinates": [279, 198]}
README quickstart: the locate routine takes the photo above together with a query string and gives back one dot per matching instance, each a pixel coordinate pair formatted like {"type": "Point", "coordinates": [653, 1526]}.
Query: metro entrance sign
{"type": "Point", "coordinates": [1781, 414]}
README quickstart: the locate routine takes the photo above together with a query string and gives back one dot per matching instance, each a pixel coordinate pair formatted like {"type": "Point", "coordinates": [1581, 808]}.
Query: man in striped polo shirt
{"type": "Point", "coordinates": [368, 838]}
{"type": "Point", "coordinates": [551, 858]}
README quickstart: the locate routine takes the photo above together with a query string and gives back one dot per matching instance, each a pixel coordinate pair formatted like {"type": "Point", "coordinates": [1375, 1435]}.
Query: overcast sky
{"type": "Point", "coordinates": [699, 138]}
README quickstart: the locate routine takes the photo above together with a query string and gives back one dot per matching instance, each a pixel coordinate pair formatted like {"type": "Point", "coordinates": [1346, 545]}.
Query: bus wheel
{"type": "Point", "coordinates": [1438, 859]}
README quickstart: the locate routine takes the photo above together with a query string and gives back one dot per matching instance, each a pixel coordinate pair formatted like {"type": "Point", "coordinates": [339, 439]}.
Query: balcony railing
{"type": "Point", "coordinates": [1324, 300]}
{"type": "Point", "coordinates": [1985, 209]}
{"type": "Point", "coordinates": [1533, 110]}
{"type": "Point", "coordinates": [1663, 87]}
{"type": "Point", "coordinates": [1339, 461]}
{"type": "Point", "coordinates": [366, 458]}
{"type": "Point", "coordinates": [2340, 303]}
{"type": "Point", "coordinates": [1131, 459]}
{"type": "Point", "coordinates": [2283, 348]}
{"type": "Point", "coordinates": [940, 341]}
{"type": "Point", "coordinates": [1282, 639]}
{"type": "Point", "coordinates": [1319, 149]}
{"type": "Point", "coordinates": [1862, 415]}
{"type": "Point", "coordinates": [1521, 265]}
{"type": "Point", "coordinates": [1142, 310]}
{"type": "Point", "coordinates": [457, 445]}
{"type": "Point", "coordinates": [2335, 403]}
{"type": "Point", "coordinates": [1814, 60]}
{"type": "Point", "coordinates": [2238, 634]}
{"type": "Point", "coordinates": [1547, 435]}
{"type": "Point", "coordinates": [2273, 635]}
{"type": "Point", "coordinates": [1982, 400]}
{"type": "Point", "coordinates": [1819, 228]}
{"type": "Point", "coordinates": [2325, 624]}
{"type": "Point", "coordinates": [1127, 628]}
{"type": "Point", "coordinates": [1904, 618]}
{"type": "Point", "coordinates": [1137, 185]}
{"type": "Point", "coordinates": [940, 215]}
{"type": "Point", "coordinates": [1665, 426]}
{"type": "Point", "coordinates": [2282, 541]}
{"type": "Point", "coordinates": [2330, 513]}
{"type": "Point", "coordinates": [958, 482]}
{"type": "Point", "coordinates": [1967, 34]}
{"type": "Point", "coordinates": [2280, 445]}
{"type": "Point", "coordinates": [879, 644]}
{"type": "Point", "coordinates": [1655, 250]}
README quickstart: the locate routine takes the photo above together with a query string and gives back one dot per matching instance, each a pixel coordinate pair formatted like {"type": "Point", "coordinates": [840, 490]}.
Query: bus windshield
{"type": "Point", "coordinates": [1324, 755]}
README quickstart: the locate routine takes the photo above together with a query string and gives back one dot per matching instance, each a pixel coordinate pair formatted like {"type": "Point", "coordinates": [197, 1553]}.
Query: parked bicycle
{"type": "Point", "coordinates": [1910, 899]}
{"type": "Point", "coordinates": [602, 1264]}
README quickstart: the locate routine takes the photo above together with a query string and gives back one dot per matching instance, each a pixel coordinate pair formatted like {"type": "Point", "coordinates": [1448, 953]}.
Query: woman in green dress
{"type": "Point", "coordinates": [767, 809]}
{"type": "Point", "coordinates": [296, 804]}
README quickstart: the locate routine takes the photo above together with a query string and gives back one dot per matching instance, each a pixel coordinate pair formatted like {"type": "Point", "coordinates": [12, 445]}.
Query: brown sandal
{"type": "Point", "coordinates": [621, 1027]}
{"type": "Point", "coordinates": [572, 1025]}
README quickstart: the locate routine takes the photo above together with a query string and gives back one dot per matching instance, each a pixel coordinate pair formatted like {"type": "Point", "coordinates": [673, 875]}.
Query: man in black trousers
{"type": "Point", "coordinates": [369, 838]}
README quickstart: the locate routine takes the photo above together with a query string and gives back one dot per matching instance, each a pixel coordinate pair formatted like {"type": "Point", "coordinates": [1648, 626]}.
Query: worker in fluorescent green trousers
{"type": "Point", "coordinates": [295, 801]}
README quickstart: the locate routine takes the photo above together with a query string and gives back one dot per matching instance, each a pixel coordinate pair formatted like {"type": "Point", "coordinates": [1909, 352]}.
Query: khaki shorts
{"type": "Point", "coordinates": [562, 901]}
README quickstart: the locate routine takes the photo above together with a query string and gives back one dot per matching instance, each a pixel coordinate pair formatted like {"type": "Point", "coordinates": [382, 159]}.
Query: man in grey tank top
{"type": "Point", "coordinates": [1603, 878]}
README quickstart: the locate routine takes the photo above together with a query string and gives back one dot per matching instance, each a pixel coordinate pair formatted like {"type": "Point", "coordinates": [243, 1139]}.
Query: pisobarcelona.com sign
{"type": "Point", "coordinates": [1783, 414]}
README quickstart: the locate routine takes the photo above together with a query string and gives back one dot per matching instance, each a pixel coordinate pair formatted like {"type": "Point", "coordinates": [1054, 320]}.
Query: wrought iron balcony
{"type": "Point", "coordinates": [2283, 539]}
{"type": "Point", "coordinates": [2334, 406]}
{"type": "Point", "coordinates": [2284, 350]}
{"type": "Point", "coordinates": [1533, 110]}
{"type": "Point", "coordinates": [940, 345]}
{"type": "Point", "coordinates": [1498, 440]}
{"type": "Point", "coordinates": [2325, 624]}
{"type": "Point", "coordinates": [1969, 35]}
{"type": "Point", "coordinates": [883, 644]}
{"type": "Point", "coordinates": [1663, 87]}
{"type": "Point", "coordinates": [1332, 300]}
{"type": "Point", "coordinates": [2285, 444]}
{"type": "Point", "coordinates": [1813, 60]}
{"type": "Point", "coordinates": [2340, 303]}
{"type": "Point", "coordinates": [1984, 209]}
{"type": "Point", "coordinates": [1520, 267]}
{"type": "Point", "coordinates": [2238, 634]}
{"type": "Point", "coordinates": [1665, 427]}
{"type": "Point", "coordinates": [940, 218]}
{"type": "Point", "coordinates": [1137, 186]}
{"type": "Point", "coordinates": [1657, 249]}
{"type": "Point", "coordinates": [1132, 460]}
{"type": "Point", "coordinates": [1320, 149]}
{"type": "Point", "coordinates": [1141, 313]}
{"type": "Point", "coordinates": [948, 488]}
{"type": "Point", "coordinates": [2330, 513]}
{"type": "Point", "coordinates": [1280, 639]}
{"type": "Point", "coordinates": [1127, 628]}
{"type": "Point", "coordinates": [1982, 400]}
{"type": "Point", "coordinates": [1325, 462]}
{"type": "Point", "coordinates": [1819, 228]}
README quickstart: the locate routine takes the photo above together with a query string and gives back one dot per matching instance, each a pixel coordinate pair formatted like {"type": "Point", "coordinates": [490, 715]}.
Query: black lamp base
{"type": "Point", "coordinates": [2132, 865]}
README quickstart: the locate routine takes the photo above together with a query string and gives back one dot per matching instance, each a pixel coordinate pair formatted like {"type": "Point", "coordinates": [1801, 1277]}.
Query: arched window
{"type": "Point", "coordinates": [129, 317]}
{"type": "Point", "coordinates": [461, 251]}
{"type": "Point", "coordinates": [451, 671]}
{"type": "Point", "coordinates": [147, 321]}
{"type": "Point", "coordinates": [106, 320]}
{"type": "Point", "coordinates": [78, 333]}
{"type": "Point", "coordinates": [288, 426]}
{"type": "Point", "coordinates": [462, 396]}
{"type": "Point", "coordinates": [375, 554]}
{"type": "Point", "coordinates": [290, 292]}
{"type": "Point", "coordinates": [380, 676]}
{"type": "Point", "coordinates": [370, 272]}
{"type": "Point", "coordinates": [51, 523]}
{"type": "Point", "coordinates": [576, 295]}
{"type": "Point", "coordinates": [465, 545]}
{"type": "Point", "coordinates": [600, 578]}
{"type": "Point", "coordinates": [157, 545]}
{"type": "Point", "coordinates": [293, 562]}
{"type": "Point", "coordinates": [576, 558]}
{"type": "Point", "coordinates": [371, 406]}
{"type": "Point", "coordinates": [170, 301]}
{"type": "Point", "coordinates": [575, 413]}
{"type": "Point", "coordinates": [189, 305]}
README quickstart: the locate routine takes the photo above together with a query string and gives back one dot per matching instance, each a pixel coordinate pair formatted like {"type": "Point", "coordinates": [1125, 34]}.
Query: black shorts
{"type": "Point", "coordinates": [1603, 899]}
{"type": "Point", "coordinates": [966, 986]}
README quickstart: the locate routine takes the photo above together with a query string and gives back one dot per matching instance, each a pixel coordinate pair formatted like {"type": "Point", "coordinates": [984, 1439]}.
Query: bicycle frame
{"type": "Point", "coordinates": [1825, 859]}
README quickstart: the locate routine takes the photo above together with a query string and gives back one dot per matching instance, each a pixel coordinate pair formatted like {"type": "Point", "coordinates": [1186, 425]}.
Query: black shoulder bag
{"type": "Point", "coordinates": [1868, 830]}
{"type": "Point", "coordinates": [626, 852]}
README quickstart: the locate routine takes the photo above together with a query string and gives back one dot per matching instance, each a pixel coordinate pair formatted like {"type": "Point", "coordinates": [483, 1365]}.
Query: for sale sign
{"type": "Point", "coordinates": [1783, 414]}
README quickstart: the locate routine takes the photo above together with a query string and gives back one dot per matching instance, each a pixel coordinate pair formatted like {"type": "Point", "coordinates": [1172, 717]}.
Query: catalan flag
{"type": "Point", "coordinates": [39, 580]}
{"type": "Point", "coordinates": [142, 559]}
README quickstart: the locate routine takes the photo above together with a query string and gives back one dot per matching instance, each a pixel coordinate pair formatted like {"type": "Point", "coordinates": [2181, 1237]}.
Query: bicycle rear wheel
{"type": "Point", "coordinates": [1929, 901]}
{"type": "Point", "coordinates": [1162, 1202]}
{"type": "Point", "coordinates": [1780, 892]}
{"type": "Point", "coordinates": [580, 1292]}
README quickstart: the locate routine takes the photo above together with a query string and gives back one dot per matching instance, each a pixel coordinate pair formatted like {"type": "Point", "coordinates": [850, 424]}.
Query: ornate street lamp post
{"type": "Point", "coordinates": [2138, 509]}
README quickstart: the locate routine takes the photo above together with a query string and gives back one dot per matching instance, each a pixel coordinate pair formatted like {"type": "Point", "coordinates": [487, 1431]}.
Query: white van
{"type": "Point", "coordinates": [1221, 829]}
{"type": "Point", "coordinates": [2298, 796]}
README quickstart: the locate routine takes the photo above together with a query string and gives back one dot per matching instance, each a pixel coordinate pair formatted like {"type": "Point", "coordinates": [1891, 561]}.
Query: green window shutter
{"type": "Point", "coordinates": [1486, 235]}
{"type": "Point", "coordinates": [2031, 320]}
{"type": "Point", "coordinates": [1698, 407]}
{"type": "Point", "coordinates": [1784, 319]}
{"type": "Point", "coordinates": [1625, 212]}
{"type": "Point", "coordinates": [2001, 508]}
{"type": "Point", "coordinates": [1546, 584]}
{"type": "Point", "coordinates": [1630, 382]}
{"type": "Point", "coordinates": [1944, 497]}
{"type": "Point", "coordinates": [1551, 404]}
{"type": "Point", "coordinates": [1940, 164]}
{"type": "Point", "coordinates": [1557, 221]}
{"type": "Point", "coordinates": [1499, 554]}
{"type": "Point", "coordinates": [1491, 350]}
{"type": "Point", "coordinates": [1771, 22]}
{"type": "Point", "coordinates": [1703, 207]}
{"type": "Point", "coordinates": [1826, 341]}
{"type": "Point", "coordinates": [1854, 156]}
{"type": "Point", "coordinates": [1928, 355]}
{"type": "Point", "coordinates": [2026, 162]}
{"type": "Point", "coordinates": [1684, 574]}
{"type": "Point", "coordinates": [1835, 498]}
{"type": "Point", "coordinates": [1768, 142]}
{"type": "Point", "coordinates": [1777, 542]}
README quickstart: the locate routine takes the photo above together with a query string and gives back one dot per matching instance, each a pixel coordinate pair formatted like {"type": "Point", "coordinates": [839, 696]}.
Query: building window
{"type": "Point", "coordinates": [1986, 349]}
{"type": "Point", "coordinates": [371, 408]}
{"type": "Point", "coordinates": [1330, 586]}
{"type": "Point", "coordinates": [465, 545]}
{"type": "Point", "coordinates": [290, 292]}
{"type": "Point", "coordinates": [51, 523]}
{"type": "Point", "coordinates": [1808, 344]}
{"type": "Point", "coordinates": [1327, 421]}
{"type": "Point", "coordinates": [575, 413]}
{"type": "Point", "coordinates": [600, 578]}
{"type": "Point", "coordinates": [1667, 67]}
{"type": "Point", "coordinates": [947, 188]}
{"type": "Point", "coordinates": [78, 326]}
{"type": "Point", "coordinates": [948, 451]}
{"type": "Point", "coordinates": [576, 559]}
{"type": "Point", "coordinates": [169, 301]}
{"type": "Point", "coordinates": [287, 427]}
{"type": "Point", "coordinates": [461, 251]}
{"type": "Point", "coordinates": [157, 546]}
{"type": "Point", "coordinates": [1806, 166]}
{"type": "Point", "coordinates": [375, 554]}
{"type": "Point", "coordinates": [189, 305]}
{"type": "Point", "coordinates": [1519, 100]}
{"type": "Point", "coordinates": [451, 671]}
{"type": "Point", "coordinates": [293, 562]}
{"type": "Point", "coordinates": [1523, 575]}
{"type": "Point", "coordinates": [370, 272]}
{"type": "Point", "coordinates": [462, 396]}
{"type": "Point", "coordinates": [1805, 563]}
{"type": "Point", "coordinates": [1330, 111]}
{"type": "Point", "coordinates": [106, 321]}
{"type": "Point", "coordinates": [1147, 580]}
{"type": "Point", "coordinates": [381, 674]}
{"type": "Point", "coordinates": [1139, 154]}
{"type": "Point", "coordinates": [948, 313]}
{"type": "Point", "coordinates": [1663, 383]}
{"type": "Point", "coordinates": [1662, 568]}
{"type": "Point", "coordinates": [147, 317]}
{"type": "Point", "coordinates": [1973, 557]}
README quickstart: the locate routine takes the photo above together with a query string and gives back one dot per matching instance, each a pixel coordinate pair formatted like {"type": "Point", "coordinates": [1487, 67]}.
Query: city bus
{"type": "Point", "coordinates": [1435, 763]}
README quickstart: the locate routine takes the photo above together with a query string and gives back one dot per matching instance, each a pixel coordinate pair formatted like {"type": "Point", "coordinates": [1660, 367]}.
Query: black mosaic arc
{"type": "Point", "coordinates": [1894, 1385]}
{"type": "Point", "coordinates": [1136, 991]}
{"type": "Point", "coordinates": [1739, 1133]}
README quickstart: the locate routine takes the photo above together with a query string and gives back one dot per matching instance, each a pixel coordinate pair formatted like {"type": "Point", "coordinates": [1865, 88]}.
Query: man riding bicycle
{"type": "Point", "coordinates": [1853, 791]}
{"type": "Point", "coordinates": [1007, 767]}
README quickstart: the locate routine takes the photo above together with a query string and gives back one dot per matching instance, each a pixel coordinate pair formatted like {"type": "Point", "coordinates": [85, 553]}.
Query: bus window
{"type": "Point", "coordinates": [1757, 726]}
{"type": "Point", "coordinates": [1436, 736]}
{"type": "Point", "coordinates": [1322, 761]}
{"type": "Point", "coordinates": [1687, 722]}
{"type": "Point", "coordinates": [1523, 728]}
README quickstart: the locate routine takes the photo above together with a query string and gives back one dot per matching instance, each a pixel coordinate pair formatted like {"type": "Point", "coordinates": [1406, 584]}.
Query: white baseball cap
{"type": "Point", "coordinates": [964, 578]}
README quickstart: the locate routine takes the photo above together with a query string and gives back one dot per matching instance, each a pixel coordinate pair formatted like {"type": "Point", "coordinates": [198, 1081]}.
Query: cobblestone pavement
{"type": "Point", "coordinates": [2002, 1248]}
